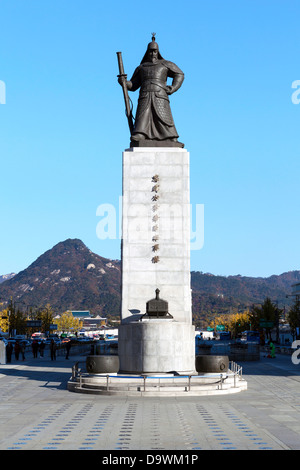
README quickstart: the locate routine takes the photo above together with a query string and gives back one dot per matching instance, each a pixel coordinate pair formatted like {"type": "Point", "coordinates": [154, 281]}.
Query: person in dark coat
{"type": "Point", "coordinates": [9, 350]}
{"type": "Point", "coordinates": [17, 350]}
{"type": "Point", "coordinates": [53, 348]}
{"type": "Point", "coordinates": [23, 349]}
{"type": "Point", "coordinates": [68, 347]}
{"type": "Point", "coordinates": [42, 347]}
{"type": "Point", "coordinates": [35, 347]}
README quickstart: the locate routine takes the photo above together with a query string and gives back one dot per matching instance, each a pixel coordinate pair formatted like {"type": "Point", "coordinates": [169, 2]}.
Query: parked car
{"type": "Point", "coordinates": [65, 340]}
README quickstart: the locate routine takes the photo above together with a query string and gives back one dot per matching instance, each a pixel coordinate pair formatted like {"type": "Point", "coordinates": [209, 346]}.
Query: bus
{"type": "Point", "coordinates": [251, 337]}
{"type": "Point", "coordinates": [225, 336]}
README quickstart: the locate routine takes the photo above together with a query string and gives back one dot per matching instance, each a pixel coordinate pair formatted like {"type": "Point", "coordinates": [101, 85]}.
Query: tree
{"type": "Point", "coordinates": [67, 322]}
{"type": "Point", "coordinates": [17, 319]}
{"type": "Point", "coordinates": [240, 322]}
{"type": "Point", "coordinates": [268, 313]}
{"type": "Point", "coordinates": [46, 315]}
{"type": "Point", "coordinates": [293, 317]}
{"type": "Point", "coordinates": [233, 322]}
{"type": "Point", "coordinates": [4, 323]}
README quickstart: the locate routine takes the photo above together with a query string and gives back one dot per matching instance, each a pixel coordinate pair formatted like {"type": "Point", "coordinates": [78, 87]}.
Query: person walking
{"type": "Point", "coordinates": [68, 347]}
{"type": "Point", "coordinates": [17, 350]}
{"type": "Point", "coordinates": [9, 350]}
{"type": "Point", "coordinates": [42, 347]}
{"type": "Point", "coordinates": [272, 350]}
{"type": "Point", "coordinates": [35, 346]}
{"type": "Point", "coordinates": [53, 348]}
{"type": "Point", "coordinates": [23, 349]}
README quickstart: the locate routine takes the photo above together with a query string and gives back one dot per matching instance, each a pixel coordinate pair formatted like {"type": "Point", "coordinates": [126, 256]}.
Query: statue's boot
{"type": "Point", "coordinates": [137, 137]}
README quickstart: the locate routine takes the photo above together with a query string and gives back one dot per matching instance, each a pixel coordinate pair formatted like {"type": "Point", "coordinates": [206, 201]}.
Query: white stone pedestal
{"type": "Point", "coordinates": [157, 347]}
{"type": "Point", "coordinates": [2, 353]}
{"type": "Point", "coordinates": [156, 223]}
{"type": "Point", "coordinates": [156, 254]}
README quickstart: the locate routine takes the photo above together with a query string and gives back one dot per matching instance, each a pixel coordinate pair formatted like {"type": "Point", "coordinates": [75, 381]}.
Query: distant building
{"type": "Point", "coordinates": [296, 290]}
{"type": "Point", "coordinates": [89, 322]}
{"type": "Point", "coordinates": [81, 314]}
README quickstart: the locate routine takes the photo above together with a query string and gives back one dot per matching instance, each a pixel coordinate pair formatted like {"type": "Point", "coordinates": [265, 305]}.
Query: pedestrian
{"type": "Point", "coordinates": [35, 346]}
{"type": "Point", "coordinates": [42, 347]}
{"type": "Point", "coordinates": [272, 350]}
{"type": "Point", "coordinates": [17, 350]}
{"type": "Point", "coordinates": [68, 347]}
{"type": "Point", "coordinates": [23, 349]}
{"type": "Point", "coordinates": [9, 350]}
{"type": "Point", "coordinates": [53, 348]}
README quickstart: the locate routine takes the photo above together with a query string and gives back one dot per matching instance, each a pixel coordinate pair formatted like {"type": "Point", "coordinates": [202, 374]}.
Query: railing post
{"type": "Point", "coordinates": [74, 370]}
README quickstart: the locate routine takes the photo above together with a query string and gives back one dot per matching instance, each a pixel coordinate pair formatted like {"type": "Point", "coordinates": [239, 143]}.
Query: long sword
{"type": "Point", "coordinates": [125, 92]}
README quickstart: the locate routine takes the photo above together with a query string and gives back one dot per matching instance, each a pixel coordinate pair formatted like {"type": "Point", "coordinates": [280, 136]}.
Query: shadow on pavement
{"type": "Point", "coordinates": [53, 374]}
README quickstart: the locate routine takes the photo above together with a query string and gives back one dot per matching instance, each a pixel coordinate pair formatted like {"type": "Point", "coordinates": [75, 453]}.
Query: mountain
{"type": "Point", "coordinates": [68, 277]}
{"type": "Point", "coordinates": [220, 294]}
{"type": "Point", "coordinates": [5, 277]}
{"type": "Point", "coordinates": [246, 289]}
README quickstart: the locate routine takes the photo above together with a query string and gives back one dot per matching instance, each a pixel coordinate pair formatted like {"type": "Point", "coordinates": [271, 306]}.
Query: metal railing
{"type": "Point", "coordinates": [236, 370]}
{"type": "Point", "coordinates": [143, 381]}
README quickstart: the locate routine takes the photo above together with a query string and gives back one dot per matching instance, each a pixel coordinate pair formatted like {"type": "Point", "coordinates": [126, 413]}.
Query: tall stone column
{"type": "Point", "coordinates": [156, 255]}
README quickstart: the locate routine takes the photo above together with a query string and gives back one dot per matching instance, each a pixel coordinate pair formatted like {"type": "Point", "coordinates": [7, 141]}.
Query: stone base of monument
{"type": "Point", "coordinates": [158, 385]}
{"type": "Point", "coordinates": [156, 346]}
{"type": "Point", "coordinates": [224, 380]}
{"type": "Point", "coordinates": [2, 353]}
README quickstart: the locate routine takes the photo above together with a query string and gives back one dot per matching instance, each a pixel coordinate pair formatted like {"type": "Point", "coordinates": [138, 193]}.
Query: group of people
{"type": "Point", "coordinates": [19, 348]}
{"type": "Point", "coordinates": [38, 348]}
{"type": "Point", "coordinates": [53, 348]}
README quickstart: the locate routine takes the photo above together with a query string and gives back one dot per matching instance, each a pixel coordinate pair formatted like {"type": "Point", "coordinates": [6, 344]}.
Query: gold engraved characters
{"type": "Point", "coordinates": [155, 218]}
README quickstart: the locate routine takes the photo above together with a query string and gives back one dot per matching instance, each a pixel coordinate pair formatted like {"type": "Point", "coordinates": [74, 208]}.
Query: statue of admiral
{"type": "Point", "coordinates": [154, 122]}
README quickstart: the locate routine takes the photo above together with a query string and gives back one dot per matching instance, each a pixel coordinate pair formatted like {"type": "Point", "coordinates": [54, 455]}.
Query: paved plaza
{"type": "Point", "coordinates": [37, 412]}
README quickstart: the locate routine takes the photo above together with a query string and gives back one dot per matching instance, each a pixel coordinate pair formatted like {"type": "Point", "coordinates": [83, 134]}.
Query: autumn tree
{"type": "Point", "coordinates": [233, 322]}
{"type": "Point", "coordinates": [67, 322]}
{"type": "Point", "coordinates": [4, 323]}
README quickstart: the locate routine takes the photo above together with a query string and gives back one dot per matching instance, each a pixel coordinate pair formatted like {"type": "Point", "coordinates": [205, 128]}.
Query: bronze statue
{"type": "Point", "coordinates": [154, 125]}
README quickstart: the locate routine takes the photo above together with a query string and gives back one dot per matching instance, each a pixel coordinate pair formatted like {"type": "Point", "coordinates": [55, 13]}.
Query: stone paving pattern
{"type": "Point", "coordinates": [37, 412]}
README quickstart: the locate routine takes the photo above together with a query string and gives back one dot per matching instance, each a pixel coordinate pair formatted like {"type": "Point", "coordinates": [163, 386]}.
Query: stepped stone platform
{"type": "Point", "coordinates": [158, 385]}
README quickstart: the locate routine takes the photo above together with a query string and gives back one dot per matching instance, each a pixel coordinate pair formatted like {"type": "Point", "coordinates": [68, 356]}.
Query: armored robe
{"type": "Point", "coordinates": [154, 120]}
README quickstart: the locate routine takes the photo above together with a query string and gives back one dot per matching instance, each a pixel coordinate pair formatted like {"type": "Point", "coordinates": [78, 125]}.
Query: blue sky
{"type": "Point", "coordinates": [63, 127]}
